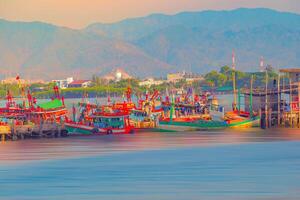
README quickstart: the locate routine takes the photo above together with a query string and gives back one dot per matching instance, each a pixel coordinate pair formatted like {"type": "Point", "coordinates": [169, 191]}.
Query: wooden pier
{"type": "Point", "coordinates": [279, 103]}
{"type": "Point", "coordinates": [26, 131]}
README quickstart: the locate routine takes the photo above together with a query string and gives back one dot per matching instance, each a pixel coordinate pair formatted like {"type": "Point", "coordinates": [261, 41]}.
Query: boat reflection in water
{"type": "Point", "coordinates": [209, 165]}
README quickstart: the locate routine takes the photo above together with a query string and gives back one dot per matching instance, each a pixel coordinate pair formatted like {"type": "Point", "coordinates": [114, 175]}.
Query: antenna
{"type": "Point", "coordinates": [261, 64]}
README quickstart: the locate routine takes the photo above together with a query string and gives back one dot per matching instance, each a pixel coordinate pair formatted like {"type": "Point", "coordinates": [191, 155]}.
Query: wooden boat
{"type": "Point", "coordinates": [146, 114]}
{"type": "Point", "coordinates": [112, 118]}
{"type": "Point", "coordinates": [102, 123]}
{"type": "Point", "coordinates": [240, 119]}
{"type": "Point", "coordinates": [140, 119]}
{"type": "Point", "coordinates": [33, 120]}
{"type": "Point", "coordinates": [54, 110]}
{"type": "Point", "coordinates": [12, 109]}
{"type": "Point", "coordinates": [208, 125]}
{"type": "Point", "coordinates": [221, 121]}
{"type": "Point", "coordinates": [185, 109]}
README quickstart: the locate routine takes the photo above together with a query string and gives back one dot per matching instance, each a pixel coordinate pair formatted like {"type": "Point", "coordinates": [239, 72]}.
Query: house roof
{"type": "Point", "coordinates": [290, 70]}
{"type": "Point", "coordinates": [79, 82]}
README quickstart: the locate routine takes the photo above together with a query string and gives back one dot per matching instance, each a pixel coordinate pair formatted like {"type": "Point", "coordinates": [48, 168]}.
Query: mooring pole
{"type": "Point", "coordinates": [278, 100]}
{"type": "Point", "coordinates": [3, 138]}
{"type": "Point", "coordinates": [172, 109]}
{"type": "Point", "coordinates": [251, 97]}
{"type": "Point", "coordinates": [266, 101]}
{"type": "Point", "coordinates": [239, 101]}
{"type": "Point", "coordinates": [291, 101]}
{"type": "Point", "coordinates": [298, 104]}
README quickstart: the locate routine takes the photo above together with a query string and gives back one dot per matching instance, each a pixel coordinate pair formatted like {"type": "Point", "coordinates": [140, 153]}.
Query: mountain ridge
{"type": "Point", "coordinates": [153, 45]}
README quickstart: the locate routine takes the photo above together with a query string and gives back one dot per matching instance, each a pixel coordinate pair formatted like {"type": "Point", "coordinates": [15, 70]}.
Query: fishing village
{"type": "Point", "coordinates": [149, 100]}
{"type": "Point", "coordinates": [185, 102]}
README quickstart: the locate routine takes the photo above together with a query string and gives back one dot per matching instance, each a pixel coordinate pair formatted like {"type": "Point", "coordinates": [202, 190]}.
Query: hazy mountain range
{"type": "Point", "coordinates": [152, 45]}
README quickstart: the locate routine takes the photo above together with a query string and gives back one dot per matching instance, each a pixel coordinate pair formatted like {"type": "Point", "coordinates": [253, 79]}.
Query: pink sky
{"type": "Point", "coordinates": [80, 13]}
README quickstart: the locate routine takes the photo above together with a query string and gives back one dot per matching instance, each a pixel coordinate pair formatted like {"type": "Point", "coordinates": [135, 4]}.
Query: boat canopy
{"type": "Point", "coordinates": [224, 89]}
{"type": "Point", "coordinates": [110, 115]}
{"type": "Point", "coordinates": [56, 103]}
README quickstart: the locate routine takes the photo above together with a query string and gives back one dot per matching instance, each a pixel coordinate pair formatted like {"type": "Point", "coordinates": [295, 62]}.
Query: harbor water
{"type": "Point", "coordinates": [229, 164]}
{"type": "Point", "coordinates": [249, 164]}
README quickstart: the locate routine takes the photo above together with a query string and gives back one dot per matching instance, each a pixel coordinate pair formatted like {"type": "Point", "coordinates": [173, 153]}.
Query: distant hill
{"type": "Point", "coordinates": [216, 21]}
{"type": "Point", "coordinates": [201, 41]}
{"type": "Point", "coordinates": [152, 45]}
{"type": "Point", "coordinates": [201, 50]}
{"type": "Point", "coordinates": [38, 50]}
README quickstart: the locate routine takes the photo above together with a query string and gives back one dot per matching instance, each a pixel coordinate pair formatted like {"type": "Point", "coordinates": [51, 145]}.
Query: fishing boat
{"type": "Point", "coordinates": [29, 119]}
{"type": "Point", "coordinates": [237, 118]}
{"type": "Point", "coordinates": [218, 120]}
{"type": "Point", "coordinates": [240, 119]}
{"type": "Point", "coordinates": [12, 109]}
{"type": "Point", "coordinates": [147, 113]}
{"type": "Point", "coordinates": [54, 110]}
{"type": "Point", "coordinates": [185, 108]}
{"type": "Point", "coordinates": [102, 123]}
{"type": "Point", "coordinates": [110, 118]}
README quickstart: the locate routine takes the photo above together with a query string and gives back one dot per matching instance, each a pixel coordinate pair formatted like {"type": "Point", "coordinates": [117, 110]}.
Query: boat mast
{"type": "Point", "coordinates": [172, 108]}
{"type": "Point", "coordinates": [266, 99]}
{"type": "Point", "coordinates": [278, 99]}
{"type": "Point", "coordinates": [251, 97]}
{"type": "Point", "coordinates": [234, 81]}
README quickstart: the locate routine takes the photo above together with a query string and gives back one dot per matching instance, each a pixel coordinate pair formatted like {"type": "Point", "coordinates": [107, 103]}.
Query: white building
{"type": "Point", "coordinates": [150, 81]}
{"type": "Point", "coordinates": [80, 83]}
{"type": "Point", "coordinates": [62, 84]}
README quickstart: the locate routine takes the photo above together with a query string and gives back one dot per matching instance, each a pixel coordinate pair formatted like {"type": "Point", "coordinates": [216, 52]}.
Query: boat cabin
{"type": "Point", "coordinates": [112, 121]}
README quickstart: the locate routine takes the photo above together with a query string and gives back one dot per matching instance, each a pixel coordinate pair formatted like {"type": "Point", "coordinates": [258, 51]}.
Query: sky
{"type": "Point", "coordinates": [80, 13]}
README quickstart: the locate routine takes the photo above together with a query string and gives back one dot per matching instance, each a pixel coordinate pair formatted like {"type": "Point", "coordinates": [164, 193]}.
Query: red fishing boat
{"type": "Point", "coordinates": [102, 123]}
{"type": "Point", "coordinates": [53, 110]}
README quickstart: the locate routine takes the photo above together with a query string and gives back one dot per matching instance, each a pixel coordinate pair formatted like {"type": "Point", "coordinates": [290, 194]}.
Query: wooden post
{"type": "Point", "coordinates": [278, 100]}
{"type": "Point", "coordinates": [234, 89]}
{"type": "Point", "coordinates": [284, 101]}
{"type": "Point", "coordinates": [291, 102]}
{"type": "Point", "coordinates": [3, 138]}
{"type": "Point", "coordinates": [266, 100]}
{"type": "Point", "coordinates": [260, 117]}
{"type": "Point", "coordinates": [239, 101]}
{"type": "Point", "coordinates": [270, 118]}
{"type": "Point", "coordinates": [172, 109]}
{"type": "Point", "coordinates": [298, 104]}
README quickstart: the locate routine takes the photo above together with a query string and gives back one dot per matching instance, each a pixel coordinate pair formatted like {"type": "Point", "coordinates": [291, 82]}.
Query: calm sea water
{"type": "Point", "coordinates": [167, 166]}
{"type": "Point", "coordinates": [245, 164]}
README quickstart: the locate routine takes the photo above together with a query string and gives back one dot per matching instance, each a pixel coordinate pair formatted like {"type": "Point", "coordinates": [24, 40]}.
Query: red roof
{"type": "Point", "coordinates": [78, 82]}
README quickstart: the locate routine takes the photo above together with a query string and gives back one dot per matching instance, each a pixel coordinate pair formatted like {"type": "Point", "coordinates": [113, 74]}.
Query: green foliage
{"type": "Point", "coordinates": [97, 90]}
{"type": "Point", "coordinates": [224, 77]}
{"type": "Point", "coordinates": [215, 78]}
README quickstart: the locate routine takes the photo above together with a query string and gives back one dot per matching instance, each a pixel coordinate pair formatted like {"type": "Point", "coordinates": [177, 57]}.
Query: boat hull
{"type": "Point", "coordinates": [79, 129]}
{"type": "Point", "coordinates": [248, 123]}
{"type": "Point", "coordinates": [207, 125]}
